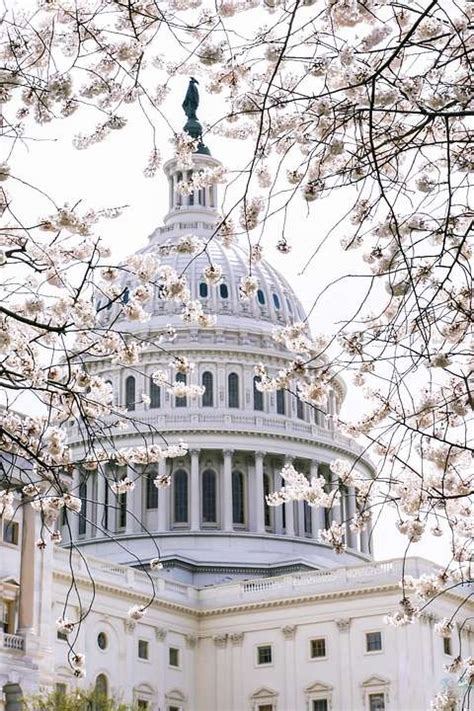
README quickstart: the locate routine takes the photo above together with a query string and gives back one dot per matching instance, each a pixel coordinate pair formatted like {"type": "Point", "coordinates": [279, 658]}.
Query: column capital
{"type": "Point", "coordinates": [194, 451]}
{"type": "Point", "coordinates": [237, 638]}
{"type": "Point", "coordinates": [288, 631]}
{"type": "Point", "coordinates": [160, 634]}
{"type": "Point", "coordinates": [343, 624]}
{"type": "Point", "coordinates": [228, 452]}
{"type": "Point", "coordinates": [220, 640]}
{"type": "Point", "coordinates": [260, 455]}
{"type": "Point", "coordinates": [190, 640]}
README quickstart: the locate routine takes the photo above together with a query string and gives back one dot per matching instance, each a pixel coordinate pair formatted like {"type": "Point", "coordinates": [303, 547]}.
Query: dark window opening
{"type": "Point", "coordinates": [257, 394]}
{"type": "Point", "coordinates": [130, 393]}
{"type": "Point", "coordinates": [151, 491]}
{"type": "Point", "coordinates": [155, 395]}
{"type": "Point", "coordinates": [180, 496]}
{"type": "Point", "coordinates": [181, 401]}
{"type": "Point", "coordinates": [280, 402]}
{"type": "Point", "coordinates": [233, 387]}
{"type": "Point", "coordinates": [238, 504]}
{"type": "Point", "coordinates": [209, 497]}
{"type": "Point", "coordinates": [208, 395]}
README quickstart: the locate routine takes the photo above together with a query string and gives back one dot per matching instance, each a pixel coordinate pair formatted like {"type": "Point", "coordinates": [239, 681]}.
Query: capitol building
{"type": "Point", "coordinates": [252, 612]}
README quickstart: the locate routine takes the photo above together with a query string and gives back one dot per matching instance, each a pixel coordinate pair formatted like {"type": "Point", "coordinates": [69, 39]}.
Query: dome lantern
{"type": "Point", "coordinates": [200, 204]}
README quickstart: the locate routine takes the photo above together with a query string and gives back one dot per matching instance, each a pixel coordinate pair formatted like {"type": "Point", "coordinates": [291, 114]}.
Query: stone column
{"type": "Point", "coordinates": [364, 541]}
{"type": "Point", "coordinates": [195, 498]}
{"type": "Point", "coordinates": [259, 498]}
{"type": "Point", "coordinates": [300, 529]}
{"type": "Point", "coordinates": [101, 484]}
{"type": "Point", "coordinates": [163, 501]}
{"type": "Point", "coordinates": [251, 495]}
{"type": "Point", "coordinates": [288, 633]}
{"type": "Point", "coordinates": [351, 510]}
{"type": "Point", "coordinates": [317, 512]}
{"type": "Point", "coordinates": [289, 510]}
{"type": "Point", "coordinates": [236, 639]}
{"type": "Point", "coordinates": [336, 511]}
{"type": "Point", "coordinates": [27, 570]}
{"type": "Point", "coordinates": [223, 689]}
{"type": "Point", "coordinates": [345, 677]}
{"type": "Point", "coordinates": [162, 666]}
{"type": "Point", "coordinates": [226, 489]}
{"type": "Point", "coordinates": [277, 511]}
{"type": "Point", "coordinates": [137, 502]}
{"type": "Point", "coordinates": [129, 523]}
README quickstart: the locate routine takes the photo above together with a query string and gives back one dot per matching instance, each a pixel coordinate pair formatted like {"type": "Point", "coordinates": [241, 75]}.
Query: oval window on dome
{"type": "Point", "coordinates": [203, 290]}
{"type": "Point", "coordinates": [224, 291]}
{"type": "Point", "coordinates": [126, 295]}
{"type": "Point", "coordinates": [102, 639]}
{"type": "Point", "coordinates": [260, 297]}
{"type": "Point", "coordinates": [276, 301]}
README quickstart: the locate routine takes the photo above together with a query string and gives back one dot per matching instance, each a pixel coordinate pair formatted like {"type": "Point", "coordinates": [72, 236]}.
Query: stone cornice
{"type": "Point", "coordinates": [162, 603]}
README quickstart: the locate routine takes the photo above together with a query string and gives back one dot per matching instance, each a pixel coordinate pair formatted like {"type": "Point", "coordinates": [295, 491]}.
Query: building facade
{"type": "Point", "coordinates": [252, 612]}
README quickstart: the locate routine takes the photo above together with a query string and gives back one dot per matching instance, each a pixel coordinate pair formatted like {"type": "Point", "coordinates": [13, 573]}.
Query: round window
{"type": "Point", "coordinates": [102, 640]}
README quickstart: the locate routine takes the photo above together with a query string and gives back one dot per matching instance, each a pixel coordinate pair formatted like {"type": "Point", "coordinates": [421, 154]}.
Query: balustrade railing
{"type": "Point", "coordinates": [12, 641]}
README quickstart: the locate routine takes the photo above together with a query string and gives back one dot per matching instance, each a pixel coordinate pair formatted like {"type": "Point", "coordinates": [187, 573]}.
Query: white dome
{"type": "Point", "coordinates": [214, 519]}
{"type": "Point", "coordinates": [274, 304]}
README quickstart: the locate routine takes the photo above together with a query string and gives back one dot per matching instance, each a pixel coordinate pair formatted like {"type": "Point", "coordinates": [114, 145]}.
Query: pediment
{"type": "Point", "coordinates": [264, 693]}
{"type": "Point", "coordinates": [175, 695]}
{"type": "Point", "coordinates": [375, 681]}
{"type": "Point", "coordinates": [318, 687]}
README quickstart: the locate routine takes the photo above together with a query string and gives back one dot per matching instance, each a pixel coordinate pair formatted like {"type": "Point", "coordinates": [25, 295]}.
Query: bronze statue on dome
{"type": "Point", "coordinates": [193, 126]}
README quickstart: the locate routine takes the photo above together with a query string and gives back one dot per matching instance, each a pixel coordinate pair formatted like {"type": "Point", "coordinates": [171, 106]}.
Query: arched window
{"type": "Point", "coordinates": [181, 401]}
{"type": "Point", "coordinates": [151, 491]}
{"type": "Point", "coordinates": [260, 297]}
{"type": "Point", "coordinates": [100, 693]}
{"type": "Point", "coordinates": [224, 291]}
{"type": "Point", "coordinates": [233, 388]}
{"type": "Point", "coordinates": [155, 395]}
{"type": "Point", "coordinates": [276, 301]}
{"type": "Point", "coordinates": [257, 394]}
{"type": "Point", "coordinates": [203, 290]}
{"type": "Point", "coordinates": [130, 393]}
{"type": "Point", "coordinates": [180, 478]}
{"type": "Point", "coordinates": [209, 496]}
{"type": "Point", "coordinates": [83, 511]}
{"type": "Point", "coordinates": [238, 504]}
{"type": "Point", "coordinates": [208, 396]}
{"type": "Point", "coordinates": [266, 507]}
{"type": "Point", "coordinates": [300, 409]}
{"type": "Point", "coordinates": [280, 397]}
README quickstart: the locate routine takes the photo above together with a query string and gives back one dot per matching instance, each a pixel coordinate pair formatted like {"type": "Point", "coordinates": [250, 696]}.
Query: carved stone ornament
{"type": "Point", "coordinates": [129, 625]}
{"type": "Point", "coordinates": [343, 624]}
{"type": "Point", "coordinates": [190, 640]}
{"type": "Point", "coordinates": [288, 631]}
{"type": "Point", "coordinates": [236, 638]}
{"type": "Point", "coordinates": [220, 640]}
{"type": "Point", "coordinates": [160, 634]}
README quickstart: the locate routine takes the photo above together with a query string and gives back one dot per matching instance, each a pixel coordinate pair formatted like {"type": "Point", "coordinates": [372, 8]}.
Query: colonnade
{"type": "Point", "coordinates": [260, 474]}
